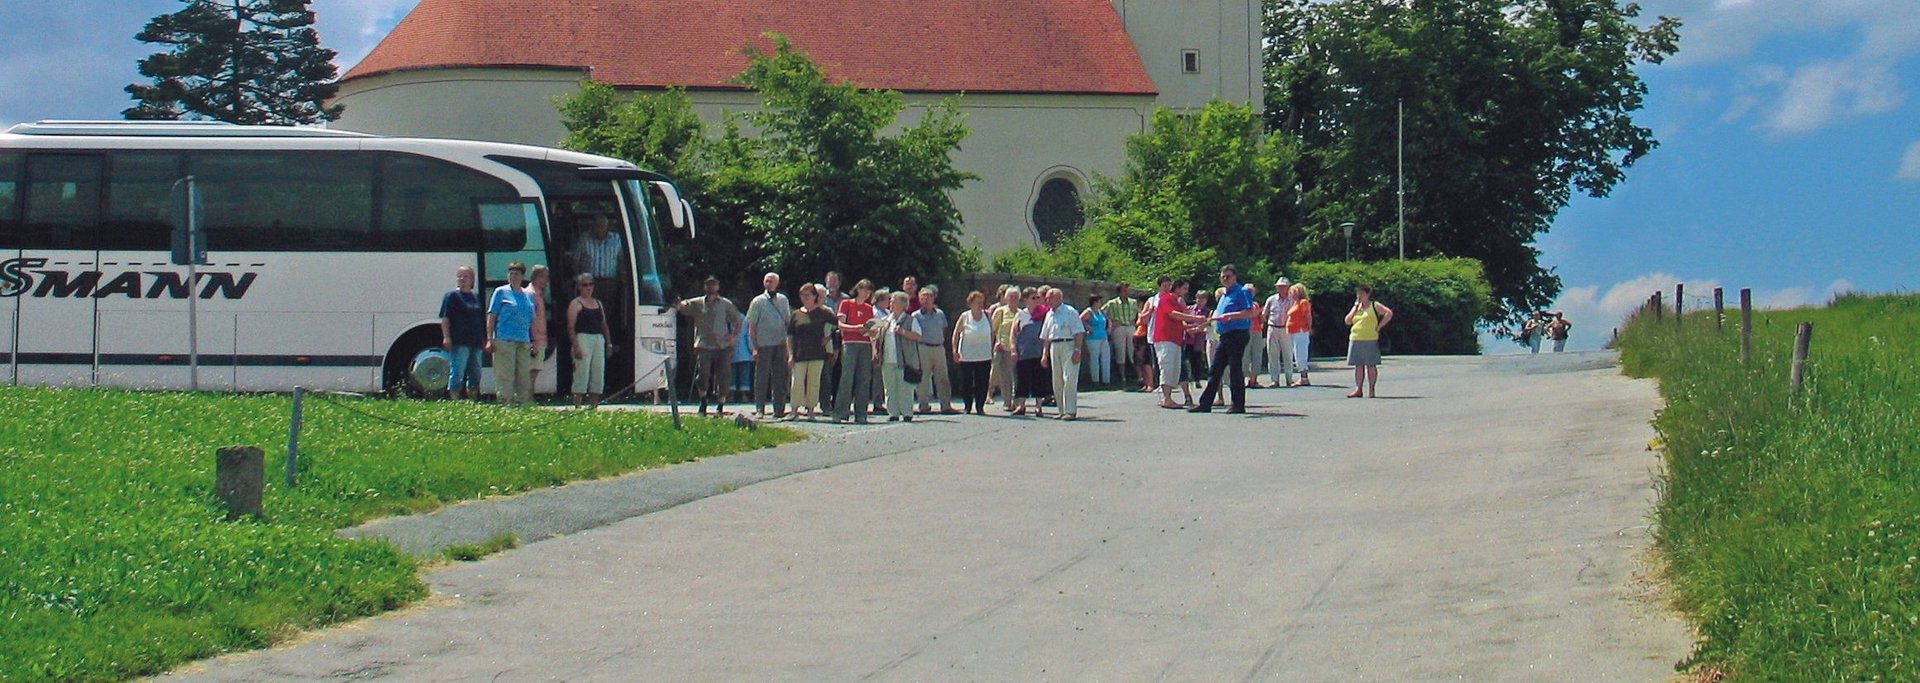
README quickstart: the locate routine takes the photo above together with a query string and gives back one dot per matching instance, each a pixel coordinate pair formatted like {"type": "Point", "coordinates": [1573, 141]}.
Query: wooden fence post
{"type": "Point", "coordinates": [1746, 326]}
{"type": "Point", "coordinates": [239, 479]}
{"type": "Point", "coordinates": [1719, 310]}
{"type": "Point", "coordinates": [1679, 303]}
{"type": "Point", "coordinates": [1659, 311]}
{"type": "Point", "coordinates": [1802, 338]}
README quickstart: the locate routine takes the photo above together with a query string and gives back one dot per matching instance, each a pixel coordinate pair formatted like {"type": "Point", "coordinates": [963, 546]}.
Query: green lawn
{"type": "Point", "coordinates": [1790, 523]}
{"type": "Point", "coordinates": [114, 560]}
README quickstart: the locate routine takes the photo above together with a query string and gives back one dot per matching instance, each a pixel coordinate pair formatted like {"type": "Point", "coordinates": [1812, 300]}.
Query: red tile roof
{"type": "Point", "coordinates": [1020, 46]}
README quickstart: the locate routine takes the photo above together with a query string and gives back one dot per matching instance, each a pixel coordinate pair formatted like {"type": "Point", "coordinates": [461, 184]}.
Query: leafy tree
{"type": "Point", "coordinates": [1195, 192]}
{"type": "Point", "coordinates": [239, 61]}
{"type": "Point", "coordinates": [1511, 105]}
{"type": "Point", "coordinates": [818, 188]}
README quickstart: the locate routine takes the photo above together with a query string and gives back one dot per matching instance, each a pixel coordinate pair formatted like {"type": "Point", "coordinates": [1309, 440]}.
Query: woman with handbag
{"type": "Point", "coordinates": [898, 350]}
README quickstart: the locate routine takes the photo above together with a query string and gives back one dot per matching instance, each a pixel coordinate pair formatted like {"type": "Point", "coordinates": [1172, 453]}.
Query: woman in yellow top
{"type": "Point", "coordinates": [1002, 319]}
{"type": "Point", "coordinates": [1367, 318]}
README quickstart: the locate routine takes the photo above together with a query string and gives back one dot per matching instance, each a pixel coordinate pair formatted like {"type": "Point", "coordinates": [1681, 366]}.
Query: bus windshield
{"type": "Point", "coordinates": [646, 244]}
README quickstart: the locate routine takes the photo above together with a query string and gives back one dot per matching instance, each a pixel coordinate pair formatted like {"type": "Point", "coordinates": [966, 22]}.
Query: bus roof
{"type": "Point", "coordinates": [174, 129]}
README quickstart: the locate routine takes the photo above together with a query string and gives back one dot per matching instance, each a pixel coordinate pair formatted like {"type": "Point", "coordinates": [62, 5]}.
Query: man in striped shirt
{"type": "Point", "coordinates": [1121, 312]}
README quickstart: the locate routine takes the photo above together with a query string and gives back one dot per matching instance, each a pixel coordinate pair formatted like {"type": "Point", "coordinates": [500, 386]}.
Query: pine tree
{"type": "Point", "coordinates": [239, 61]}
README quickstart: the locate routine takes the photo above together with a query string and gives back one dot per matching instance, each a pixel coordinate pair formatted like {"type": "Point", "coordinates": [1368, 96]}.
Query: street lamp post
{"type": "Point", "coordinates": [1347, 228]}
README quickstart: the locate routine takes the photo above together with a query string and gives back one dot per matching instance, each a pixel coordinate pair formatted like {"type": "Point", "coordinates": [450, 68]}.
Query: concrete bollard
{"type": "Point", "coordinates": [239, 479]}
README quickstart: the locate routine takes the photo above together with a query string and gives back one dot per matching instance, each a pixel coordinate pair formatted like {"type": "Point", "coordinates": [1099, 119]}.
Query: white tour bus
{"type": "Point", "coordinates": [299, 256]}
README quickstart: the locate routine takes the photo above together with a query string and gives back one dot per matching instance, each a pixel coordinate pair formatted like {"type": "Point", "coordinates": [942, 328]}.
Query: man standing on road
{"type": "Point", "coordinates": [1121, 312]}
{"type": "Point", "coordinates": [1233, 319]}
{"type": "Point", "coordinates": [1065, 337]}
{"type": "Point", "coordinates": [716, 325]}
{"type": "Point", "coordinates": [767, 318]}
{"type": "Point", "coordinates": [1279, 341]}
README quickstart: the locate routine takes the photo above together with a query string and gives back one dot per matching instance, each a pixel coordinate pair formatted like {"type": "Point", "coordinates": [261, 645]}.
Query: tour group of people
{"type": "Point", "coordinates": [846, 355]}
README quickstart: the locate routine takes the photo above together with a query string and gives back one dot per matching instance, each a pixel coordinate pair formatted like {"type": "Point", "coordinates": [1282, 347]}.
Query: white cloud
{"type": "Point", "coordinates": [1717, 31]}
{"type": "Point", "coordinates": [1595, 310]}
{"type": "Point", "coordinates": [1910, 163]}
{"type": "Point", "coordinates": [1819, 93]}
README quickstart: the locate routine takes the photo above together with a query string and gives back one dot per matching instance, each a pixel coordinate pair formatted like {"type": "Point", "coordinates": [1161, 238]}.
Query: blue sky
{"type": "Point", "coordinates": [1789, 158]}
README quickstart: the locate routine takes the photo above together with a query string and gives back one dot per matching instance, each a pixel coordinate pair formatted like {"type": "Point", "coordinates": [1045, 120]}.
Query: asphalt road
{"type": "Point", "coordinates": [1484, 520]}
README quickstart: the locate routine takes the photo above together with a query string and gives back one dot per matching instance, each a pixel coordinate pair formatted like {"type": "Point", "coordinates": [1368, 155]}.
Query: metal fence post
{"type": "Point", "coordinates": [293, 434]}
{"type": "Point", "coordinates": [1746, 326]}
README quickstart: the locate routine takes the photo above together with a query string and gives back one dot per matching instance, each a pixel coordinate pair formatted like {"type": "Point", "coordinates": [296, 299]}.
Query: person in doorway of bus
{"type": "Point", "coordinates": [1121, 312]}
{"type": "Point", "coordinates": [930, 323]}
{"type": "Point", "coordinates": [538, 280]}
{"type": "Point", "coordinates": [1300, 327]}
{"type": "Point", "coordinates": [463, 332]}
{"type": "Point", "coordinates": [1558, 330]}
{"type": "Point", "coordinates": [598, 252]}
{"type": "Point", "coordinates": [716, 327]}
{"type": "Point", "coordinates": [1066, 338]}
{"type": "Point", "coordinates": [855, 318]}
{"type": "Point", "coordinates": [973, 352]}
{"type": "Point", "coordinates": [767, 318]}
{"type": "Point", "coordinates": [587, 333]}
{"type": "Point", "coordinates": [1233, 320]}
{"type": "Point", "coordinates": [1367, 318]}
{"type": "Point", "coordinates": [1279, 341]}
{"type": "Point", "coordinates": [809, 342]}
{"type": "Point", "coordinates": [1099, 349]}
{"type": "Point", "coordinates": [510, 338]}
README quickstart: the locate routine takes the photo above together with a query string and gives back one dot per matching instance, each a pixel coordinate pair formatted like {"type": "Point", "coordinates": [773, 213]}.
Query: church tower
{"type": "Point", "coordinates": [1196, 50]}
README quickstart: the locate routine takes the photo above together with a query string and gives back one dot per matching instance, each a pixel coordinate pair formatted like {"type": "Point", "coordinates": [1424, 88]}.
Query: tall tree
{"type": "Point", "coordinates": [239, 61]}
{"type": "Point", "coordinates": [1511, 106]}
{"type": "Point", "coordinates": [815, 187]}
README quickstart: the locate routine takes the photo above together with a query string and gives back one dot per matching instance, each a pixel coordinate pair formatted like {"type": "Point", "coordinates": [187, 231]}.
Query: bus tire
{"type": "Point", "coordinates": [396, 378]}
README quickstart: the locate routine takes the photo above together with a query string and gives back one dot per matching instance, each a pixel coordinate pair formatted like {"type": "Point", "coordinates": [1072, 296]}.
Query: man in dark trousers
{"type": "Point", "coordinates": [1233, 319]}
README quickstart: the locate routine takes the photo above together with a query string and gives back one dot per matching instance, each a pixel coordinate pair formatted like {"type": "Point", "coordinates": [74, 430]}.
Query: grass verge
{"type": "Point", "coordinates": [114, 561]}
{"type": "Point", "coordinates": [1790, 522]}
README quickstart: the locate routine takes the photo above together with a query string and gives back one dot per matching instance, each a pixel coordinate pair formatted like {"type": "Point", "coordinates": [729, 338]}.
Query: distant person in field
{"type": "Point", "coordinates": [716, 329]}
{"type": "Point", "coordinates": [1535, 328]}
{"type": "Point", "coordinates": [1367, 319]}
{"type": "Point", "coordinates": [587, 332]}
{"type": "Point", "coordinates": [1558, 331]}
{"type": "Point", "coordinates": [463, 332]}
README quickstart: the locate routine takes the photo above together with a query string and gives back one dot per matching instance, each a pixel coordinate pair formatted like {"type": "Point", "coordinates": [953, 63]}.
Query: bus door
{"type": "Point", "coordinates": [11, 280]}
{"type": "Point", "coordinates": [587, 237]}
{"type": "Point", "coordinates": [56, 272]}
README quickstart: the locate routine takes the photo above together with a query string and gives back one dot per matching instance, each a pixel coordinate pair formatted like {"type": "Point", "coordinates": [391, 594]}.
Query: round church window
{"type": "Point", "coordinates": [1056, 211]}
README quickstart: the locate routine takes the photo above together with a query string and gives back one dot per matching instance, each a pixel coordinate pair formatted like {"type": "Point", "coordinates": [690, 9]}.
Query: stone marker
{"type": "Point", "coordinates": [239, 479]}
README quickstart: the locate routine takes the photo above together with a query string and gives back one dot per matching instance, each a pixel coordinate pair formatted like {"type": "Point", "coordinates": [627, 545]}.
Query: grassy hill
{"type": "Point", "coordinates": [1792, 523]}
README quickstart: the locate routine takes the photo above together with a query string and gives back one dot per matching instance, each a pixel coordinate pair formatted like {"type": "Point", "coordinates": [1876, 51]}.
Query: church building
{"type": "Point", "coordinates": [1050, 88]}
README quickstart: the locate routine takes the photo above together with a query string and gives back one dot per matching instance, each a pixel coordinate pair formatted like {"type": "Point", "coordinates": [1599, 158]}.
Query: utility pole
{"type": "Point", "coordinates": [1402, 173]}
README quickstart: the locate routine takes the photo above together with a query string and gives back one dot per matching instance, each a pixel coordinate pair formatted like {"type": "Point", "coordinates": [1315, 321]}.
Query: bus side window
{"type": "Point", "coordinates": [139, 200]}
{"type": "Point", "coordinates": [63, 201]}
{"type": "Point", "coordinates": [431, 205]}
{"type": "Point", "coordinates": [286, 201]}
{"type": "Point", "coordinates": [9, 200]}
{"type": "Point", "coordinates": [512, 232]}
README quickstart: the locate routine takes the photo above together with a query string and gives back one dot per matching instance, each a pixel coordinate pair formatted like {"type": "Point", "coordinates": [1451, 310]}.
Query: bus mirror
{"type": "Point", "coordinates": [189, 240]}
{"type": "Point", "coordinates": [676, 207]}
{"type": "Point", "coordinates": [687, 209]}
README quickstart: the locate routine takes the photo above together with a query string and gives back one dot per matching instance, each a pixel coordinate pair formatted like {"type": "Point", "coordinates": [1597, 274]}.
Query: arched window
{"type": "Point", "coordinates": [1056, 209]}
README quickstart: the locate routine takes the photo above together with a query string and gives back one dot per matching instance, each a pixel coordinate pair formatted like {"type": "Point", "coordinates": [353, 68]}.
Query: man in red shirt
{"type": "Point", "coordinates": [1167, 330]}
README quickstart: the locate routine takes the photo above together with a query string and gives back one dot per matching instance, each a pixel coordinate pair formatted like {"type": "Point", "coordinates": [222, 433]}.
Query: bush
{"type": "Point", "coordinates": [1437, 303]}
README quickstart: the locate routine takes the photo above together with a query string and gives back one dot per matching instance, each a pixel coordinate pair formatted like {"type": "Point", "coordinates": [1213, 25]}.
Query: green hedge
{"type": "Point", "coordinates": [1437, 303]}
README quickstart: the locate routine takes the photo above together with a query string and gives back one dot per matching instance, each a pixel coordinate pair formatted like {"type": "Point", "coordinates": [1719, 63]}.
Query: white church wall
{"type": "Point", "coordinates": [1225, 34]}
{"type": "Point", "coordinates": [1017, 142]}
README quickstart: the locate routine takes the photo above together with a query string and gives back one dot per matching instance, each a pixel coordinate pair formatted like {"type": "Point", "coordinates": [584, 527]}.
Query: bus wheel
{"type": "Point", "coordinates": [416, 367]}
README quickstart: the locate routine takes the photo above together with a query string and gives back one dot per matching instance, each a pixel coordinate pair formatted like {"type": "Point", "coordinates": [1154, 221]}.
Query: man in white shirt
{"type": "Point", "coordinates": [1279, 343]}
{"type": "Point", "coordinates": [767, 317]}
{"type": "Point", "coordinates": [1065, 337]}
